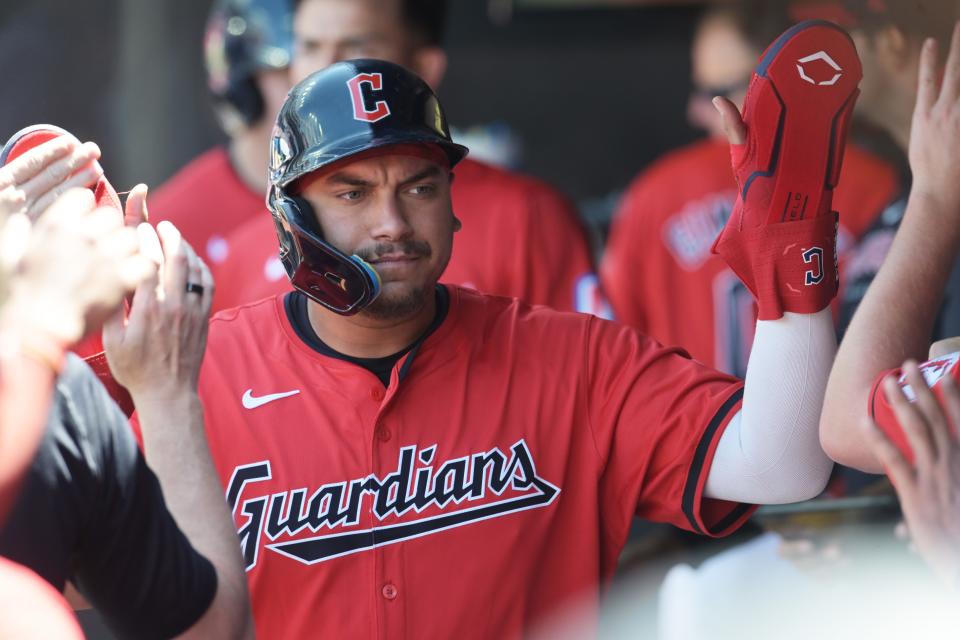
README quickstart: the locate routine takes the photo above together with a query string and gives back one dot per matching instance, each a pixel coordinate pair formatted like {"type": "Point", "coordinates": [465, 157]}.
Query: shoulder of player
{"type": "Point", "coordinates": [210, 170]}
{"type": "Point", "coordinates": [510, 186]}
{"type": "Point", "coordinates": [492, 315]}
{"type": "Point", "coordinates": [677, 164]}
{"type": "Point", "coordinates": [237, 324]}
{"type": "Point", "coordinates": [257, 231]}
{"type": "Point", "coordinates": [862, 169]}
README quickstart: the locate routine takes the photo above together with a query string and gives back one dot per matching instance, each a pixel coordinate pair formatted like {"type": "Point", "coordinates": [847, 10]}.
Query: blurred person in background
{"type": "Point", "coordinates": [247, 50]}
{"type": "Point", "coordinates": [83, 504]}
{"type": "Point", "coordinates": [889, 35]}
{"type": "Point", "coordinates": [658, 271]}
{"type": "Point", "coordinates": [519, 236]}
{"type": "Point", "coordinates": [905, 312]}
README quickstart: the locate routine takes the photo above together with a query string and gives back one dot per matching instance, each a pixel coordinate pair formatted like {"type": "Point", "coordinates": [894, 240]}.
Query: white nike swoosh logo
{"type": "Point", "coordinates": [251, 401]}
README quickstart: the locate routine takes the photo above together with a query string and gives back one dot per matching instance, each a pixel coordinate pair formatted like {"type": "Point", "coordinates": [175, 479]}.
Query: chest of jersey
{"type": "Point", "coordinates": [492, 481]}
{"type": "Point", "coordinates": [391, 510]}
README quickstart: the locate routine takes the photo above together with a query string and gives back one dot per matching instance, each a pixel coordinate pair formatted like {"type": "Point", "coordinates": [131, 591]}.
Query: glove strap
{"type": "Point", "coordinates": [788, 266]}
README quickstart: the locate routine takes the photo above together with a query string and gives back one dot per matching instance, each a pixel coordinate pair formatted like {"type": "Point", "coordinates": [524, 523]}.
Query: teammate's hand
{"type": "Point", "coordinates": [930, 490]}
{"type": "Point", "coordinates": [78, 263]}
{"type": "Point", "coordinates": [30, 183]}
{"type": "Point", "coordinates": [157, 351]}
{"type": "Point", "coordinates": [732, 121]}
{"type": "Point", "coordinates": [135, 210]}
{"type": "Point", "coordinates": [935, 131]}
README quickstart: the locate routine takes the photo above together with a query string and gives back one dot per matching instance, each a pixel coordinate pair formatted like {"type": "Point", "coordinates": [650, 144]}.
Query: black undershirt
{"type": "Point", "coordinates": [295, 304]}
{"type": "Point", "coordinates": [91, 511]}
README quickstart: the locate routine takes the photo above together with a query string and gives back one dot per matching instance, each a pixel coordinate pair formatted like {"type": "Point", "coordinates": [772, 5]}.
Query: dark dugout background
{"type": "Point", "coordinates": [594, 94]}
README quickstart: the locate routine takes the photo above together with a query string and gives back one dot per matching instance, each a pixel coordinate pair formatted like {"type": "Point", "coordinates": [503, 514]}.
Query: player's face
{"type": "Point", "coordinates": [722, 62]}
{"type": "Point", "coordinates": [395, 213]}
{"type": "Point", "coordinates": [873, 86]}
{"type": "Point", "coordinates": [328, 31]}
{"type": "Point", "coordinates": [273, 85]}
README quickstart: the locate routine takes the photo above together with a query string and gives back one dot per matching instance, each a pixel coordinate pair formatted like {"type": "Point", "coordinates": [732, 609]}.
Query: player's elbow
{"type": "Point", "coordinates": [228, 616]}
{"type": "Point", "coordinates": [841, 441]}
{"type": "Point", "coordinates": [807, 485]}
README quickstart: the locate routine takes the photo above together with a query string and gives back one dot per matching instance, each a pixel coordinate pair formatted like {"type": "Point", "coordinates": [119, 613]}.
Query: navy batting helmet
{"type": "Point", "coordinates": [242, 38]}
{"type": "Point", "coordinates": [346, 109]}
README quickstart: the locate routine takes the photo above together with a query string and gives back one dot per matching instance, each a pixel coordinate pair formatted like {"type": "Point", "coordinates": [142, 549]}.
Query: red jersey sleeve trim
{"type": "Point", "coordinates": [874, 390]}
{"type": "Point", "coordinates": [707, 516]}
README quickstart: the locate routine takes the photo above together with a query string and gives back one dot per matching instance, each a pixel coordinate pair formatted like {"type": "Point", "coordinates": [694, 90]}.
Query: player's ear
{"type": "Point", "coordinates": [430, 63]}
{"type": "Point", "coordinates": [457, 225]}
{"type": "Point", "coordinates": [892, 48]}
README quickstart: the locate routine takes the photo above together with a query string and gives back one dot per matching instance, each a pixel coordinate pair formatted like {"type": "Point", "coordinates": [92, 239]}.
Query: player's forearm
{"type": "Point", "coordinates": [770, 453]}
{"type": "Point", "coordinates": [894, 322]}
{"type": "Point", "coordinates": [176, 449]}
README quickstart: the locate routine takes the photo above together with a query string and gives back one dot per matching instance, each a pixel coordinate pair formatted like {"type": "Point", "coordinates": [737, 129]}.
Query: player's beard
{"type": "Point", "coordinates": [401, 305]}
{"type": "Point", "coordinates": [390, 305]}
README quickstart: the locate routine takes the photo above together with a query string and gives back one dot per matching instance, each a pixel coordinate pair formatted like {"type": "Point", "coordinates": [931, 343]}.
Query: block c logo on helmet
{"type": "Point", "coordinates": [360, 111]}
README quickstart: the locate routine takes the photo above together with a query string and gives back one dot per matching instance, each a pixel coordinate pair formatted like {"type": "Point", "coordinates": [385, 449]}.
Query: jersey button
{"type": "Point", "coordinates": [383, 434]}
{"type": "Point", "coordinates": [376, 394]}
{"type": "Point", "coordinates": [389, 591]}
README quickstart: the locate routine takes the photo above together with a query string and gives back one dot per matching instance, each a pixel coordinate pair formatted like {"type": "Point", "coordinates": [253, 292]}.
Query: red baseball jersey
{"type": "Point", "coordinates": [207, 201]}
{"type": "Point", "coordinates": [520, 238]}
{"type": "Point", "coordinates": [659, 274]}
{"type": "Point", "coordinates": [493, 480]}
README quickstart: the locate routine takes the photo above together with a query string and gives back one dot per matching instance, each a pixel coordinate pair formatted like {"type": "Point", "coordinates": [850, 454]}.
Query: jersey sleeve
{"type": "Point", "coordinates": [656, 417]}
{"type": "Point", "coordinates": [131, 559]}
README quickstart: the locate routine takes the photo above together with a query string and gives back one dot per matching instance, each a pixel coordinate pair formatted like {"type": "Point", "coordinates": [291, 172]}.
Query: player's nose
{"type": "Point", "coordinates": [390, 220]}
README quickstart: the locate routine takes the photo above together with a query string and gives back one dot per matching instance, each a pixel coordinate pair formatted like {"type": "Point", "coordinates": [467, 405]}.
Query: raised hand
{"type": "Point", "coordinates": [31, 182]}
{"type": "Point", "coordinates": [935, 131]}
{"type": "Point", "coordinates": [78, 264]}
{"type": "Point", "coordinates": [157, 351]}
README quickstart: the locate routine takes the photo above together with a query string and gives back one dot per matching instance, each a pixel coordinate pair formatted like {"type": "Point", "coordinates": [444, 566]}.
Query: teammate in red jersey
{"type": "Point", "coordinates": [408, 458]}
{"type": "Point", "coordinates": [247, 51]}
{"type": "Point", "coordinates": [520, 237]}
{"type": "Point", "coordinates": [658, 271]}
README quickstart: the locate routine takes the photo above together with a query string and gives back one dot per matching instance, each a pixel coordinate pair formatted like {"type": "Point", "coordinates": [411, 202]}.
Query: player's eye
{"type": "Point", "coordinates": [422, 190]}
{"type": "Point", "coordinates": [351, 196]}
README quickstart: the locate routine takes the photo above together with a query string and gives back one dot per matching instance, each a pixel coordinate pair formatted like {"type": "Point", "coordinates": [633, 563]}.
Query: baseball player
{"type": "Point", "coordinates": [672, 213]}
{"type": "Point", "coordinates": [917, 439]}
{"type": "Point", "coordinates": [519, 236]}
{"type": "Point", "coordinates": [404, 458]}
{"type": "Point", "coordinates": [247, 50]}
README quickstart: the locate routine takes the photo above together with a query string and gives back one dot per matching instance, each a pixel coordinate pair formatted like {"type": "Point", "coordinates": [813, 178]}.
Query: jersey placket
{"type": "Point", "coordinates": [385, 452]}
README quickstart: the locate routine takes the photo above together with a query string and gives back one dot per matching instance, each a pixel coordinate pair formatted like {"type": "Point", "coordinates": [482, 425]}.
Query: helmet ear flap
{"type": "Point", "coordinates": [244, 99]}
{"type": "Point", "coordinates": [344, 284]}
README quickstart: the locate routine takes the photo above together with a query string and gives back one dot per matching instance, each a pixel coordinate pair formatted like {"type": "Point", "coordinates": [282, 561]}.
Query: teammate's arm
{"type": "Point", "coordinates": [157, 356]}
{"type": "Point", "coordinates": [61, 272]}
{"type": "Point", "coordinates": [896, 318]}
{"type": "Point", "coordinates": [927, 488]}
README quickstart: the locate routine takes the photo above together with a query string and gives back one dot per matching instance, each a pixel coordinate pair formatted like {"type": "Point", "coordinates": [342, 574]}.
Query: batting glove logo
{"type": "Point", "coordinates": [815, 275]}
{"type": "Point", "coordinates": [826, 64]}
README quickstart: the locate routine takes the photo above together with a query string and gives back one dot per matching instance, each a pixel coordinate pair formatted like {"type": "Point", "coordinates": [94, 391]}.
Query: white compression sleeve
{"type": "Point", "coordinates": [770, 452]}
